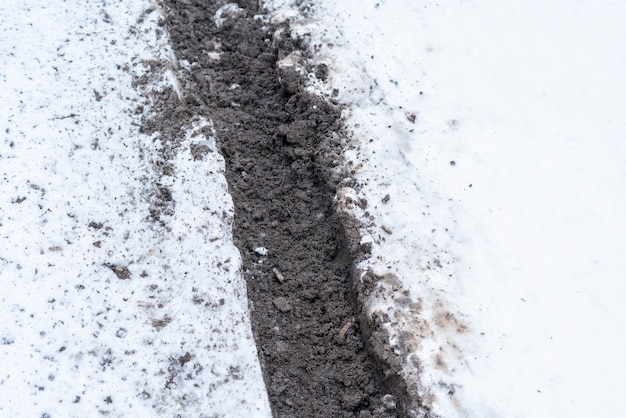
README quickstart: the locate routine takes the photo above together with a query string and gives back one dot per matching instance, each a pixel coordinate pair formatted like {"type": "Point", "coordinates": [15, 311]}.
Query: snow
{"type": "Point", "coordinates": [488, 140]}
{"type": "Point", "coordinates": [103, 310]}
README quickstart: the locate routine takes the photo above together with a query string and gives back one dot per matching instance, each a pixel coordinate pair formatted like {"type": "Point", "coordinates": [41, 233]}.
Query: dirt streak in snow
{"type": "Point", "coordinates": [280, 151]}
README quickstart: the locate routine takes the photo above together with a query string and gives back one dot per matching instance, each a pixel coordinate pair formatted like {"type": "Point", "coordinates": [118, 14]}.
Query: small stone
{"type": "Point", "coordinates": [279, 276]}
{"type": "Point", "coordinates": [282, 304]}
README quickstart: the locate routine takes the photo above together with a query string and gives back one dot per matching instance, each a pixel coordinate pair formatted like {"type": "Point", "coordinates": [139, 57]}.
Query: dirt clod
{"type": "Point", "coordinates": [282, 304]}
{"type": "Point", "coordinates": [121, 272]}
{"type": "Point", "coordinates": [95, 225]}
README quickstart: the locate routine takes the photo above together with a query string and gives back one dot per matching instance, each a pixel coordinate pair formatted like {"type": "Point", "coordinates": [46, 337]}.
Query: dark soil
{"type": "Point", "coordinates": [278, 146]}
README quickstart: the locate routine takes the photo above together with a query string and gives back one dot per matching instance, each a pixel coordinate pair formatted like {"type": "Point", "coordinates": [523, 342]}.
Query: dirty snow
{"type": "Point", "coordinates": [102, 309]}
{"type": "Point", "coordinates": [488, 140]}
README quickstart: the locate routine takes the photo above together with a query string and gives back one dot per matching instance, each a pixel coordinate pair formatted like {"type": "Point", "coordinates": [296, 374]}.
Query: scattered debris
{"type": "Point", "coordinates": [341, 336]}
{"type": "Point", "coordinates": [387, 229]}
{"type": "Point", "coordinates": [279, 276]}
{"type": "Point", "coordinates": [159, 324]}
{"type": "Point", "coordinates": [182, 360]}
{"type": "Point", "coordinates": [121, 272]}
{"type": "Point", "coordinates": [95, 225]}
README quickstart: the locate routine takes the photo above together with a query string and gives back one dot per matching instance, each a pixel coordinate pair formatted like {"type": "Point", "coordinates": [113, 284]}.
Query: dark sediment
{"type": "Point", "coordinates": [279, 150]}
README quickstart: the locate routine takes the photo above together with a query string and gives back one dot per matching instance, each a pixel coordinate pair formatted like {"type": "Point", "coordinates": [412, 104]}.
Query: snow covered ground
{"type": "Point", "coordinates": [487, 138]}
{"type": "Point", "coordinates": [489, 141]}
{"type": "Point", "coordinates": [102, 309]}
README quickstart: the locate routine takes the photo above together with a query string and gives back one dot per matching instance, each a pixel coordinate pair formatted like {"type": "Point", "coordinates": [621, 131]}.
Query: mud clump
{"type": "Point", "coordinates": [279, 152]}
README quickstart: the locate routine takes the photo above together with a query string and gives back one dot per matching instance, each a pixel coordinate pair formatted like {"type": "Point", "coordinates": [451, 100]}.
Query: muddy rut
{"type": "Point", "coordinates": [279, 150]}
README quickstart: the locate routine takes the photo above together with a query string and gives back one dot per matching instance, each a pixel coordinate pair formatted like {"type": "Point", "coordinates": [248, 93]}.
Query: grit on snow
{"type": "Point", "coordinates": [489, 140]}
{"type": "Point", "coordinates": [103, 310]}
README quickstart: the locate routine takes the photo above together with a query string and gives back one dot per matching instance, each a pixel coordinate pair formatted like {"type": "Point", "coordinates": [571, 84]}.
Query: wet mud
{"type": "Point", "coordinates": [281, 151]}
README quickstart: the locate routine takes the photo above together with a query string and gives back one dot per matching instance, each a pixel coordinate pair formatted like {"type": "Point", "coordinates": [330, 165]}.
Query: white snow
{"type": "Point", "coordinates": [497, 131]}
{"type": "Point", "coordinates": [102, 310]}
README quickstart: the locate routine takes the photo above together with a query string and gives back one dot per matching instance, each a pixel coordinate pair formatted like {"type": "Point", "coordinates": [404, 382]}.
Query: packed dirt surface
{"type": "Point", "coordinates": [280, 150]}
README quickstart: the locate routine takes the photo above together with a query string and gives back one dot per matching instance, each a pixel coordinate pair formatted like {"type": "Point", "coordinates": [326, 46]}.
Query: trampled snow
{"type": "Point", "coordinates": [489, 141]}
{"type": "Point", "coordinates": [104, 311]}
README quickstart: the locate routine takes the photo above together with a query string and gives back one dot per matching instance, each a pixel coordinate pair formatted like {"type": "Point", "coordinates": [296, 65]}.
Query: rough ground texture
{"type": "Point", "coordinates": [278, 148]}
